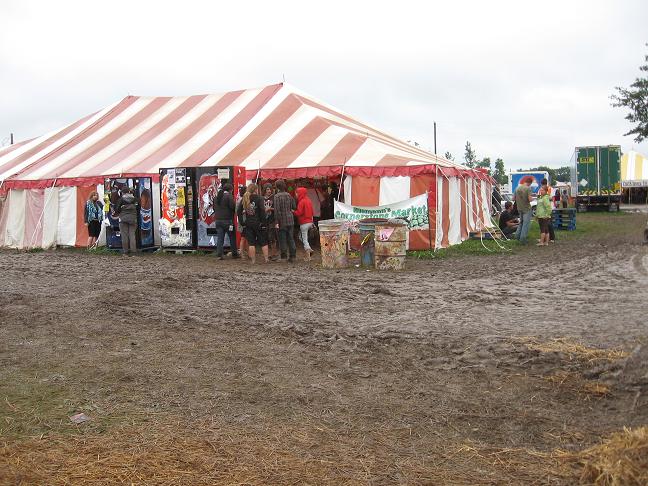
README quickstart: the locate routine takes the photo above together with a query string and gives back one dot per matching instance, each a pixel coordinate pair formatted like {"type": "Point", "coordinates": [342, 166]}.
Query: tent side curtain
{"type": "Point", "coordinates": [374, 191]}
{"type": "Point", "coordinates": [463, 206]}
{"type": "Point", "coordinates": [44, 218]}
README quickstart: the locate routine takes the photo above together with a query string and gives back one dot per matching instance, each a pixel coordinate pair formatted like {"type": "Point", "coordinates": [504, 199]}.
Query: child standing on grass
{"type": "Point", "coordinates": [543, 213]}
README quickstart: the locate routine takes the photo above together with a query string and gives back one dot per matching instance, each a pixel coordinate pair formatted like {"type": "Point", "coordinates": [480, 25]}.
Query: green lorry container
{"type": "Point", "coordinates": [598, 173]}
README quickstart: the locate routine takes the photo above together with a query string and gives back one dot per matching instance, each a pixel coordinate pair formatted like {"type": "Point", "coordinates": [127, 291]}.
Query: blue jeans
{"type": "Point", "coordinates": [523, 229]}
{"type": "Point", "coordinates": [287, 242]}
{"type": "Point", "coordinates": [223, 227]}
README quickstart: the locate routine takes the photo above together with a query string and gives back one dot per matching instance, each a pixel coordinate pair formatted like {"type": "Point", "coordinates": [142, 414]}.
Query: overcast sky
{"type": "Point", "coordinates": [524, 81]}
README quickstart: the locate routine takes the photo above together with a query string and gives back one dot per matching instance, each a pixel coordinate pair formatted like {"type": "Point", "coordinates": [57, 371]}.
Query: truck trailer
{"type": "Point", "coordinates": [598, 178]}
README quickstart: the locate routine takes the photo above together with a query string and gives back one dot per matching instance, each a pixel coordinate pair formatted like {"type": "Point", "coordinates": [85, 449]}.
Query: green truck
{"type": "Point", "coordinates": [598, 178]}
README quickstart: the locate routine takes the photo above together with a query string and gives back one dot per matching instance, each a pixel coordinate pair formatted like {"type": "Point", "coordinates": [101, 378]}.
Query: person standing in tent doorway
{"type": "Point", "coordinates": [523, 198]}
{"type": "Point", "coordinates": [93, 216]}
{"type": "Point", "coordinates": [304, 215]}
{"type": "Point", "coordinates": [284, 205]}
{"type": "Point", "coordinates": [255, 222]}
{"type": "Point", "coordinates": [224, 207]}
{"type": "Point", "coordinates": [126, 209]}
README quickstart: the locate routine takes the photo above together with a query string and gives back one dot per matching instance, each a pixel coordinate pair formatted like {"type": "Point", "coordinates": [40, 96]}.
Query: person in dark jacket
{"type": "Point", "coordinates": [268, 201]}
{"type": "Point", "coordinates": [256, 229]}
{"type": "Point", "coordinates": [224, 209]}
{"type": "Point", "coordinates": [126, 209]}
{"type": "Point", "coordinates": [284, 205]}
{"type": "Point", "coordinates": [328, 204]}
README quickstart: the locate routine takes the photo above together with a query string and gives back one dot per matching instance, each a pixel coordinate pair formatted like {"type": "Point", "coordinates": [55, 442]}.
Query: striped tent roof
{"type": "Point", "coordinates": [634, 170]}
{"type": "Point", "coordinates": [273, 129]}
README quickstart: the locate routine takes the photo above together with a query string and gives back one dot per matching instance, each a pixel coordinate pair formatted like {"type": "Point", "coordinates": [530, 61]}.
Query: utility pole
{"type": "Point", "coordinates": [11, 139]}
{"type": "Point", "coordinates": [435, 138]}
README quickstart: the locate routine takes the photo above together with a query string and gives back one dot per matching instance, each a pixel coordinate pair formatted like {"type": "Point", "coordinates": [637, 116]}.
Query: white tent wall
{"type": "Point", "coordinates": [486, 191]}
{"type": "Point", "coordinates": [15, 230]}
{"type": "Point", "coordinates": [50, 217]}
{"type": "Point", "coordinates": [66, 229]}
{"type": "Point", "coordinates": [471, 215]}
{"type": "Point", "coordinates": [347, 185]}
{"type": "Point", "coordinates": [394, 189]}
{"type": "Point", "coordinates": [454, 231]}
{"type": "Point", "coordinates": [439, 215]}
{"type": "Point", "coordinates": [34, 208]}
{"type": "Point", "coordinates": [4, 213]}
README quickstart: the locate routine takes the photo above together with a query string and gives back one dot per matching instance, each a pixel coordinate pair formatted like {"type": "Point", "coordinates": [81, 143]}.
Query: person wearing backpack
{"type": "Point", "coordinates": [126, 209]}
{"type": "Point", "coordinates": [253, 208]}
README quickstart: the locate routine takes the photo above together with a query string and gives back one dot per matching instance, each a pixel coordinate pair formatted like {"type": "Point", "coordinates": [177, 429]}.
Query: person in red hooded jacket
{"type": "Point", "coordinates": [304, 215]}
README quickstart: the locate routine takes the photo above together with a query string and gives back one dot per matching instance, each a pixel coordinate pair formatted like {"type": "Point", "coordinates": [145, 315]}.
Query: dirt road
{"type": "Point", "coordinates": [198, 371]}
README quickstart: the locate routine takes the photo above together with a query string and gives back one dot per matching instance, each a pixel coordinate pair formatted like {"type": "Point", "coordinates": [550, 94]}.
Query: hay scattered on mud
{"type": "Point", "coordinates": [207, 454]}
{"type": "Point", "coordinates": [620, 460]}
{"type": "Point", "coordinates": [577, 384]}
{"type": "Point", "coordinates": [574, 350]}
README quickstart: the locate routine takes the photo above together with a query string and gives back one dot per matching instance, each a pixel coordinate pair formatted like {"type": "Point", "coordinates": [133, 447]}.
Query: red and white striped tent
{"type": "Point", "coordinates": [275, 131]}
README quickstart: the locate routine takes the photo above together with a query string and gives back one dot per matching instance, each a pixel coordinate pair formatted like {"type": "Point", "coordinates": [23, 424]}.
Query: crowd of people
{"type": "Point", "coordinates": [265, 220]}
{"type": "Point", "coordinates": [515, 219]}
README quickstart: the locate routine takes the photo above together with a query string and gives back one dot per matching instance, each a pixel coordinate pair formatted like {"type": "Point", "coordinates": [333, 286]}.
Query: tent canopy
{"type": "Point", "coordinates": [275, 130]}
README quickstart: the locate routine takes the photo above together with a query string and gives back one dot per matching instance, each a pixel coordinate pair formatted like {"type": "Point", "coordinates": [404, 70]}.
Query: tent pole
{"type": "Point", "coordinates": [427, 200]}
{"type": "Point", "coordinates": [341, 181]}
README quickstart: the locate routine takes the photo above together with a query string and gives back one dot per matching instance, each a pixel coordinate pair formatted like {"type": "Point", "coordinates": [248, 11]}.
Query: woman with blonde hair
{"type": "Point", "coordinates": [543, 214]}
{"type": "Point", "coordinates": [252, 210]}
{"type": "Point", "coordinates": [93, 216]}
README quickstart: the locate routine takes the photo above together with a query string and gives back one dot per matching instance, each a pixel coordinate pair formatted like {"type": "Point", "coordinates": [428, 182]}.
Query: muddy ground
{"type": "Point", "coordinates": [198, 371]}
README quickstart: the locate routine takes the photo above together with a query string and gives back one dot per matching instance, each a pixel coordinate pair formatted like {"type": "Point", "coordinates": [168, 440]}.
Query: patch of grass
{"type": "Point", "coordinates": [33, 405]}
{"type": "Point", "coordinates": [587, 225]}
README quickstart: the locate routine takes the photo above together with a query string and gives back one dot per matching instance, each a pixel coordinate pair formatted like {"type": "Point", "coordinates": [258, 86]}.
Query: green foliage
{"type": "Point", "coordinates": [470, 158]}
{"type": "Point", "coordinates": [563, 174]}
{"type": "Point", "coordinates": [485, 163]}
{"type": "Point", "coordinates": [542, 168]}
{"type": "Point", "coordinates": [499, 174]}
{"type": "Point", "coordinates": [635, 98]}
{"type": "Point", "coordinates": [448, 156]}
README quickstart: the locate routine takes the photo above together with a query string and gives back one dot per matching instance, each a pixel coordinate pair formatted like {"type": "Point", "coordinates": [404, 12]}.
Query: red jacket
{"type": "Point", "coordinates": [304, 211]}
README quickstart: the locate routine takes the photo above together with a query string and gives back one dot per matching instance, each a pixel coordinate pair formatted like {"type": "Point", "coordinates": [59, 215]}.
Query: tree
{"type": "Point", "coordinates": [469, 156]}
{"type": "Point", "coordinates": [543, 168]}
{"type": "Point", "coordinates": [563, 174]}
{"type": "Point", "coordinates": [484, 163]}
{"type": "Point", "coordinates": [499, 174]}
{"type": "Point", "coordinates": [635, 98]}
{"type": "Point", "coordinates": [448, 156]}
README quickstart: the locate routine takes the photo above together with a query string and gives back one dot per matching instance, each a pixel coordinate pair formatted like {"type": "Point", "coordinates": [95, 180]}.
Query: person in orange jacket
{"type": "Point", "coordinates": [304, 215]}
